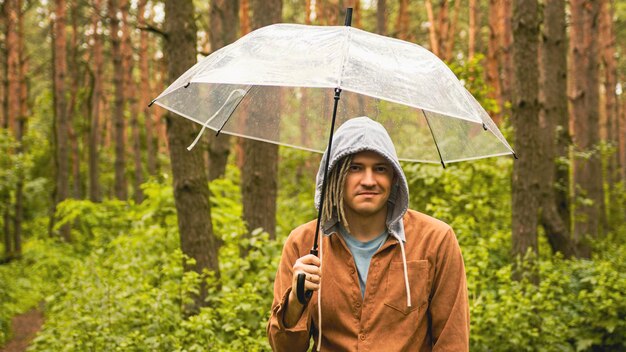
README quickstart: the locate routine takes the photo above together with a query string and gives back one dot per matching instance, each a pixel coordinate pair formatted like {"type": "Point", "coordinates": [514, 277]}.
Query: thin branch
{"type": "Point", "coordinates": [151, 28]}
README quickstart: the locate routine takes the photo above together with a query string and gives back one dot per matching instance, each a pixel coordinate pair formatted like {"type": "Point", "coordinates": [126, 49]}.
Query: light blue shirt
{"type": "Point", "coordinates": [362, 252]}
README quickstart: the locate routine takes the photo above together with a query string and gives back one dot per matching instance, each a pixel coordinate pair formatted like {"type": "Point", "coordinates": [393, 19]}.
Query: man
{"type": "Point", "coordinates": [388, 278]}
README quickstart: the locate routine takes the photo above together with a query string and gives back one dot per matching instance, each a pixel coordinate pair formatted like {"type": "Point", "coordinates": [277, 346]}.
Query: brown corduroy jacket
{"type": "Point", "coordinates": [438, 319]}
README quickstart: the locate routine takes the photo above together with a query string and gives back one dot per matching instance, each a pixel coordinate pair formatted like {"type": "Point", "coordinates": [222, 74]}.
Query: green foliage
{"type": "Point", "coordinates": [25, 283]}
{"type": "Point", "coordinates": [129, 291]}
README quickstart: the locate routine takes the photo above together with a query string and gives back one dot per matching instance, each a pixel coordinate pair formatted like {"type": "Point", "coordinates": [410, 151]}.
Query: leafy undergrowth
{"type": "Point", "coordinates": [120, 286]}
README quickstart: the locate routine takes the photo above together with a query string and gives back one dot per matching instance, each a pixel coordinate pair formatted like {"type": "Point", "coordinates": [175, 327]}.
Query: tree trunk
{"type": "Point", "coordinates": [584, 102]}
{"type": "Point", "coordinates": [381, 17]}
{"type": "Point", "coordinates": [74, 73]}
{"type": "Point", "coordinates": [506, 48]}
{"type": "Point", "coordinates": [94, 123]}
{"type": "Point", "coordinates": [553, 123]}
{"type": "Point", "coordinates": [622, 145]}
{"type": "Point", "coordinates": [224, 25]}
{"type": "Point", "coordinates": [60, 113]}
{"type": "Point", "coordinates": [402, 22]}
{"type": "Point", "coordinates": [608, 54]}
{"type": "Point", "coordinates": [144, 98]}
{"type": "Point", "coordinates": [525, 117]}
{"type": "Point", "coordinates": [20, 131]}
{"type": "Point", "coordinates": [493, 70]}
{"type": "Point", "coordinates": [191, 191]}
{"type": "Point", "coordinates": [432, 29]}
{"type": "Point", "coordinates": [452, 34]}
{"type": "Point", "coordinates": [130, 89]}
{"type": "Point", "coordinates": [474, 26]}
{"type": "Point", "coordinates": [260, 171]}
{"type": "Point", "coordinates": [121, 191]}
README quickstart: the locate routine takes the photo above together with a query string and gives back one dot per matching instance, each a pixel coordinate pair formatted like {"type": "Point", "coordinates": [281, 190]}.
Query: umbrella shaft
{"type": "Point", "coordinates": [330, 143]}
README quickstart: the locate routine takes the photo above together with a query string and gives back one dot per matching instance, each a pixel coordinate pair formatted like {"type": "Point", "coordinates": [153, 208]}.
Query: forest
{"type": "Point", "coordinates": [115, 237]}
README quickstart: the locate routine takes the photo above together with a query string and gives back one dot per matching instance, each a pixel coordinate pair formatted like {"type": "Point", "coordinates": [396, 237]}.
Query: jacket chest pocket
{"type": "Point", "coordinates": [395, 294]}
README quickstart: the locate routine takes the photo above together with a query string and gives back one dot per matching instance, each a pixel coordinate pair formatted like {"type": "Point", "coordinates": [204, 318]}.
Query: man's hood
{"type": "Point", "coordinates": [361, 134]}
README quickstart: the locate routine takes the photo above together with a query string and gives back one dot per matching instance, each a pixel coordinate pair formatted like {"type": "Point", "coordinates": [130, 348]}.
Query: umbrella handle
{"type": "Point", "coordinates": [304, 296]}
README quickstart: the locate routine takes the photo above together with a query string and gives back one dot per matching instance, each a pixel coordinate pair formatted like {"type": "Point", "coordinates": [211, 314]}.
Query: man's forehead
{"type": "Point", "coordinates": [369, 156]}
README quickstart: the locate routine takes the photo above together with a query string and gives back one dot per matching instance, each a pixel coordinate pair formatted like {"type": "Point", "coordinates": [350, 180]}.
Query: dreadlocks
{"type": "Point", "coordinates": [333, 198]}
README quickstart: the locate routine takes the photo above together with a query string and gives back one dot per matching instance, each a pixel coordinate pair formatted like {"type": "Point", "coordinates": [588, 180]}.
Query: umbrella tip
{"type": "Point", "coordinates": [187, 85]}
{"type": "Point", "coordinates": [348, 21]}
{"type": "Point", "coordinates": [484, 126]}
{"type": "Point", "coordinates": [515, 156]}
{"type": "Point", "coordinates": [152, 102]}
{"type": "Point", "coordinates": [443, 164]}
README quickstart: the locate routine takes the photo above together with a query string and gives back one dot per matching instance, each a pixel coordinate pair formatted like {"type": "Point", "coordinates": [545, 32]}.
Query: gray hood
{"type": "Point", "coordinates": [361, 134]}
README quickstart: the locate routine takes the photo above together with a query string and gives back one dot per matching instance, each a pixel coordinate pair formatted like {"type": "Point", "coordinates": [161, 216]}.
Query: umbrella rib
{"type": "Point", "coordinates": [210, 119]}
{"type": "Point", "coordinates": [434, 139]}
{"type": "Point", "coordinates": [235, 108]}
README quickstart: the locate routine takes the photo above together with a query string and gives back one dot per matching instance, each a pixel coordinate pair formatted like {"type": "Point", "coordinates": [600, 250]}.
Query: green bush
{"type": "Point", "coordinates": [26, 283]}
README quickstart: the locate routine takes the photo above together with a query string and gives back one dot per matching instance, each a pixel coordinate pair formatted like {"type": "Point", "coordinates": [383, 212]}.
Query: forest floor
{"type": "Point", "coordinates": [24, 328]}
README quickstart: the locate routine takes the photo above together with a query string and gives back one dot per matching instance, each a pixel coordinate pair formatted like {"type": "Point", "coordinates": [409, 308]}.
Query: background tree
{"type": "Point", "coordinates": [554, 131]}
{"type": "Point", "coordinates": [584, 97]}
{"type": "Point", "coordinates": [60, 112]}
{"type": "Point", "coordinates": [96, 70]}
{"type": "Point", "coordinates": [224, 23]}
{"type": "Point", "coordinates": [117, 116]}
{"type": "Point", "coordinates": [525, 112]}
{"type": "Point", "coordinates": [260, 169]}
{"type": "Point", "coordinates": [191, 192]}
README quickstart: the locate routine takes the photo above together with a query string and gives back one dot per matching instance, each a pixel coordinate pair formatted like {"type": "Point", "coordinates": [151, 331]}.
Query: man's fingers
{"type": "Point", "coordinates": [310, 286]}
{"type": "Point", "coordinates": [313, 278]}
{"type": "Point", "coordinates": [310, 259]}
{"type": "Point", "coordinates": [308, 269]}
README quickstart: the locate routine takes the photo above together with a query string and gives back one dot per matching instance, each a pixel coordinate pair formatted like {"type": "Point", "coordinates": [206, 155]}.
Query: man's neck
{"type": "Point", "coordinates": [365, 228]}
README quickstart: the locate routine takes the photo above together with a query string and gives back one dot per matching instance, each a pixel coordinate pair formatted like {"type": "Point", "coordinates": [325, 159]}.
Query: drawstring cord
{"type": "Point", "coordinates": [406, 275]}
{"type": "Point", "coordinates": [210, 119]}
{"type": "Point", "coordinates": [319, 302]}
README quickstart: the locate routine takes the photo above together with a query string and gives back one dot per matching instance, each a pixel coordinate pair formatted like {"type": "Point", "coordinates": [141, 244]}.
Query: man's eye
{"type": "Point", "coordinates": [382, 169]}
{"type": "Point", "coordinates": [355, 168]}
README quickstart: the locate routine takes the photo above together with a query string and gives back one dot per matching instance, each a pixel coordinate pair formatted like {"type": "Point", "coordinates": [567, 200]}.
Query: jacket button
{"type": "Point", "coordinates": [358, 305]}
{"type": "Point", "coordinates": [362, 337]}
{"type": "Point", "coordinates": [352, 271]}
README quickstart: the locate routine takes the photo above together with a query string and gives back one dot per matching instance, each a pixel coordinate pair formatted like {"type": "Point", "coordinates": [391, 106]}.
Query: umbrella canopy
{"type": "Point", "coordinates": [273, 85]}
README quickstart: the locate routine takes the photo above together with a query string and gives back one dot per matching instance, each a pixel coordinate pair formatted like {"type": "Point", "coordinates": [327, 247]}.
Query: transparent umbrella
{"type": "Point", "coordinates": [277, 84]}
{"type": "Point", "coordinates": [282, 84]}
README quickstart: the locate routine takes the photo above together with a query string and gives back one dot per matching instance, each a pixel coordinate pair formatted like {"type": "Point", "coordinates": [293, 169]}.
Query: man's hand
{"type": "Point", "coordinates": [310, 266]}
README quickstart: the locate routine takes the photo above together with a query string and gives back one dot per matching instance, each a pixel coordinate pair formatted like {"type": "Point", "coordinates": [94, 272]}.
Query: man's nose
{"type": "Point", "coordinates": [368, 179]}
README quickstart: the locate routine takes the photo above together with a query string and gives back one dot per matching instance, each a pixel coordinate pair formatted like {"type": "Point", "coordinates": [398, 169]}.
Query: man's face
{"type": "Point", "coordinates": [368, 184]}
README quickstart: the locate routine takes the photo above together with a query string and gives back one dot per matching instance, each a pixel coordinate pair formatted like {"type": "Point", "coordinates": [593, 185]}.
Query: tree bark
{"type": "Point", "coordinates": [20, 131]}
{"type": "Point", "coordinates": [74, 73]}
{"type": "Point", "coordinates": [506, 48]}
{"type": "Point", "coordinates": [381, 17]}
{"type": "Point", "coordinates": [191, 192]}
{"type": "Point", "coordinates": [432, 29]}
{"type": "Point", "coordinates": [144, 99]}
{"type": "Point", "coordinates": [474, 26]}
{"type": "Point", "coordinates": [584, 102]}
{"type": "Point", "coordinates": [121, 191]}
{"type": "Point", "coordinates": [96, 94]}
{"type": "Point", "coordinates": [452, 33]}
{"type": "Point", "coordinates": [555, 216]}
{"type": "Point", "coordinates": [60, 113]}
{"type": "Point", "coordinates": [609, 65]}
{"type": "Point", "coordinates": [224, 25]}
{"type": "Point", "coordinates": [493, 55]}
{"type": "Point", "coordinates": [525, 117]}
{"type": "Point", "coordinates": [402, 22]}
{"type": "Point", "coordinates": [130, 89]}
{"type": "Point", "coordinates": [260, 170]}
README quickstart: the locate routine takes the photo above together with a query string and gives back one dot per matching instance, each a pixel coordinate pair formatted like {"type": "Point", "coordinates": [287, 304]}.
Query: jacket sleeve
{"type": "Point", "coordinates": [449, 307]}
{"type": "Point", "coordinates": [296, 338]}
